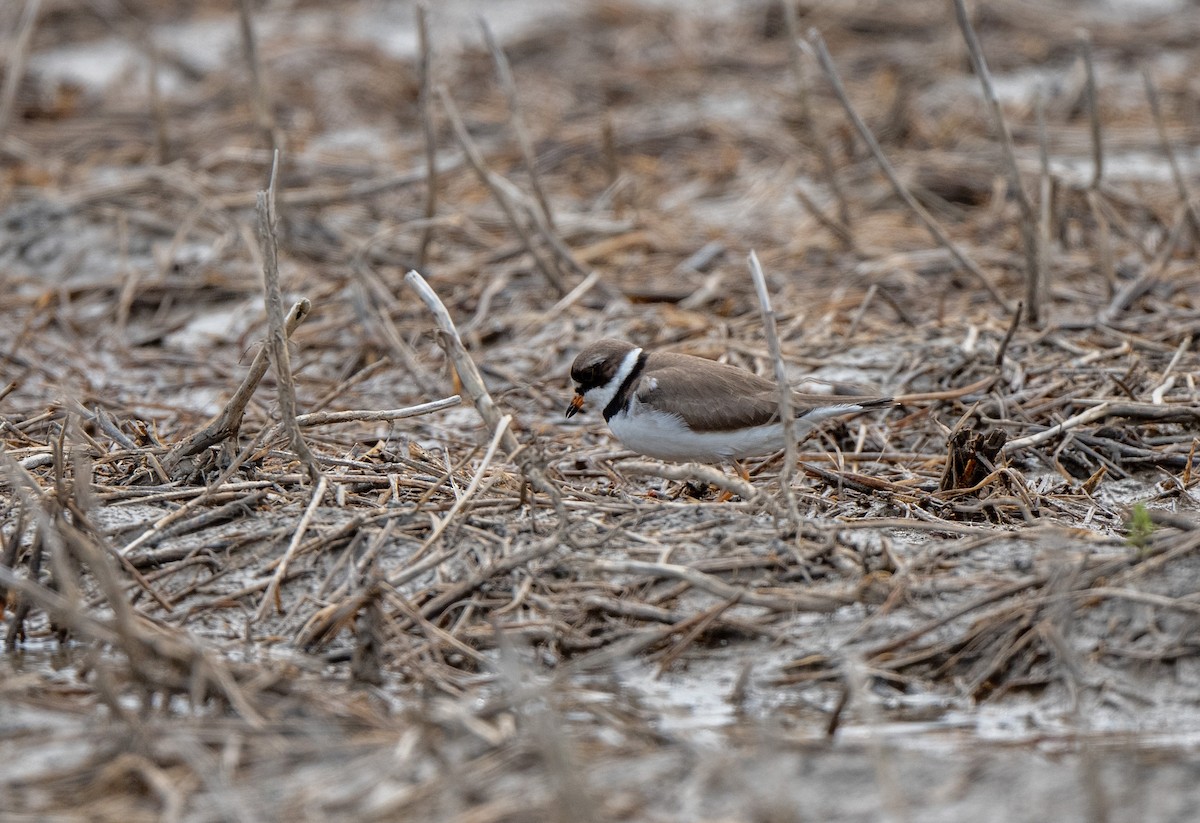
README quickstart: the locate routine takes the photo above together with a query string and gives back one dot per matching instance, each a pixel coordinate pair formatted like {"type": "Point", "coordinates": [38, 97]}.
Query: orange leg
{"type": "Point", "coordinates": [726, 496]}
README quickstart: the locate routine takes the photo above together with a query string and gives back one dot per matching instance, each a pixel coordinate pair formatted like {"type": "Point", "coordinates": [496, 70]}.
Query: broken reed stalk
{"type": "Point", "coordinates": [468, 373]}
{"type": "Point", "coordinates": [1135, 288]}
{"type": "Point", "coordinates": [1108, 268]}
{"type": "Point", "coordinates": [476, 389]}
{"type": "Point", "coordinates": [158, 110]}
{"type": "Point", "coordinates": [1088, 416]}
{"type": "Point", "coordinates": [277, 338]}
{"type": "Point", "coordinates": [475, 159]}
{"type": "Point", "coordinates": [18, 59]}
{"type": "Point", "coordinates": [1089, 67]}
{"type": "Point", "coordinates": [262, 103]}
{"type": "Point", "coordinates": [226, 424]}
{"type": "Point", "coordinates": [271, 595]}
{"type": "Point", "coordinates": [835, 227]}
{"type": "Point", "coordinates": [376, 416]}
{"type": "Point", "coordinates": [785, 391]}
{"type": "Point", "coordinates": [1160, 125]}
{"type": "Point", "coordinates": [425, 104]}
{"type": "Point", "coordinates": [509, 86]}
{"type": "Point", "coordinates": [808, 124]}
{"type": "Point", "coordinates": [817, 44]}
{"type": "Point", "coordinates": [1036, 288]}
{"type": "Point", "coordinates": [1029, 229]}
{"type": "Point", "coordinates": [561, 251]}
{"type": "Point", "coordinates": [1008, 336]}
{"type": "Point", "coordinates": [440, 528]}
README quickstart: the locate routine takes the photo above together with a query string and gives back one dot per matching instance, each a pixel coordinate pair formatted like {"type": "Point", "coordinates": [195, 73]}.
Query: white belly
{"type": "Point", "coordinates": [665, 437]}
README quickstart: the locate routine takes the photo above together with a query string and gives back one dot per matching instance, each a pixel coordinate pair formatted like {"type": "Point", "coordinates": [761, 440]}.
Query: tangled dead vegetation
{"type": "Point", "coordinates": [349, 561]}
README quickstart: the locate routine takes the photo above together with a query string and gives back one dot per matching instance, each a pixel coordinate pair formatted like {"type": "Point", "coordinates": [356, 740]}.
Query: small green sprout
{"type": "Point", "coordinates": [1140, 527]}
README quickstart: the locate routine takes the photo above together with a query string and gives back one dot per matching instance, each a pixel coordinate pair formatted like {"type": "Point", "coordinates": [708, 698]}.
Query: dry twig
{"type": "Point", "coordinates": [18, 57]}
{"type": "Point", "coordinates": [425, 102]}
{"type": "Point", "coordinates": [489, 179]}
{"type": "Point", "coordinates": [277, 339]}
{"type": "Point", "coordinates": [785, 392]}
{"type": "Point", "coordinates": [1029, 231]}
{"type": "Point", "coordinates": [817, 43]}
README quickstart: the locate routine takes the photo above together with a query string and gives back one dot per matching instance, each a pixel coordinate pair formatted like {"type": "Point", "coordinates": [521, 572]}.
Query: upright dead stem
{"type": "Point", "coordinates": [476, 389]}
{"type": "Point", "coordinates": [785, 392]}
{"type": "Point", "coordinates": [1037, 287]}
{"type": "Point", "coordinates": [224, 427]}
{"type": "Point", "coordinates": [1029, 231]}
{"type": "Point", "coordinates": [277, 339]}
{"type": "Point", "coordinates": [425, 102]}
{"type": "Point", "coordinates": [158, 111]}
{"type": "Point", "coordinates": [817, 43]}
{"type": "Point", "coordinates": [1089, 67]}
{"type": "Point", "coordinates": [808, 123]}
{"type": "Point", "coordinates": [1181, 186]}
{"type": "Point", "coordinates": [262, 101]}
{"type": "Point", "coordinates": [505, 75]}
{"type": "Point", "coordinates": [468, 373]}
{"type": "Point", "coordinates": [546, 267]}
{"type": "Point", "coordinates": [18, 57]}
{"type": "Point", "coordinates": [1104, 246]}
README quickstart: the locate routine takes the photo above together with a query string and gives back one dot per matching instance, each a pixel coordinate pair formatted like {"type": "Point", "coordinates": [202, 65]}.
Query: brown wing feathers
{"type": "Point", "coordinates": [703, 403]}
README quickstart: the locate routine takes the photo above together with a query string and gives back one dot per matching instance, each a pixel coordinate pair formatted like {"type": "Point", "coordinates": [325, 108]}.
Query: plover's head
{"type": "Point", "coordinates": [599, 371]}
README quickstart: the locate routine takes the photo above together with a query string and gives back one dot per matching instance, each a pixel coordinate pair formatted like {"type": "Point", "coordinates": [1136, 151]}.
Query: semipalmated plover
{"type": "Point", "coordinates": [688, 409]}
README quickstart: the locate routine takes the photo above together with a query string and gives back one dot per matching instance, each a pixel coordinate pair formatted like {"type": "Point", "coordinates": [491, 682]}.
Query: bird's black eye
{"type": "Point", "coordinates": [588, 376]}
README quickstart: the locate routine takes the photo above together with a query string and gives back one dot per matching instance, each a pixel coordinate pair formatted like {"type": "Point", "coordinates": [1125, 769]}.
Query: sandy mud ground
{"type": "Point", "coordinates": [442, 600]}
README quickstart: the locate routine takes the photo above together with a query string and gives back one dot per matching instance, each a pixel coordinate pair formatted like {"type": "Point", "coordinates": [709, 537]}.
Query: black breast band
{"type": "Point", "coordinates": [625, 393]}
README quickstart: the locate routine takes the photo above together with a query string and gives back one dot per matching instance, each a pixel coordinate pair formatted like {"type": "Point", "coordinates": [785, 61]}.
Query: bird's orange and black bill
{"type": "Point", "coordinates": [576, 405]}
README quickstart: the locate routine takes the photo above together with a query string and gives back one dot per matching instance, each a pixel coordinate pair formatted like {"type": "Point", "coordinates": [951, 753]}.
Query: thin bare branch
{"type": "Point", "coordinates": [278, 337]}
{"type": "Point", "coordinates": [271, 597]}
{"type": "Point", "coordinates": [1181, 186]}
{"type": "Point", "coordinates": [261, 98]}
{"type": "Point", "coordinates": [372, 416]}
{"type": "Point", "coordinates": [785, 391]}
{"type": "Point", "coordinates": [18, 58]}
{"type": "Point", "coordinates": [477, 390]}
{"type": "Point", "coordinates": [1029, 231]}
{"type": "Point", "coordinates": [1093, 103]}
{"type": "Point", "coordinates": [817, 43]}
{"type": "Point", "coordinates": [226, 424]}
{"type": "Point", "coordinates": [545, 266]}
{"type": "Point", "coordinates": [425, 103]}
{"type": "Point", "coordinates": [517, 121]}
{"type": "Point", "coordinates": [810, 129]}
